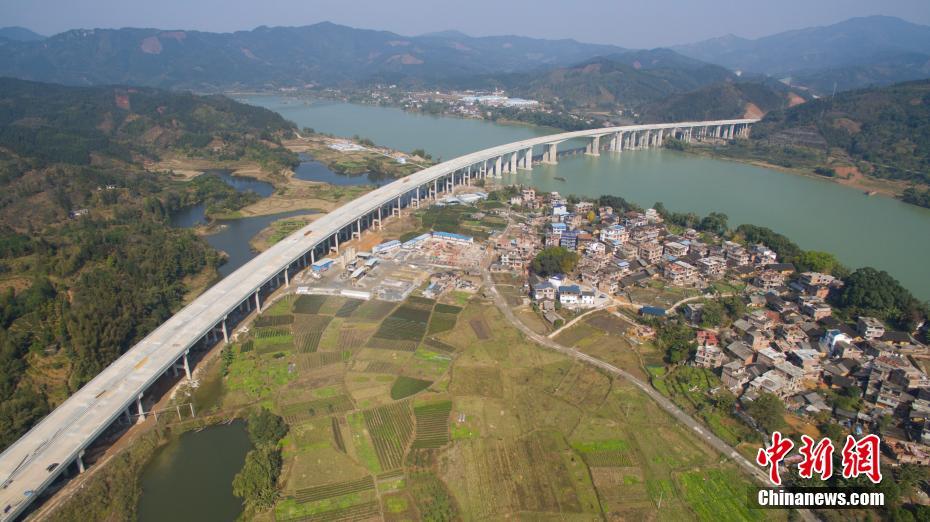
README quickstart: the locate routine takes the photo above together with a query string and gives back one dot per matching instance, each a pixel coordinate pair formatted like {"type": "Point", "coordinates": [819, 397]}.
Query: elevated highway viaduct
{"type": "Point", "coordinates": [60, 439]}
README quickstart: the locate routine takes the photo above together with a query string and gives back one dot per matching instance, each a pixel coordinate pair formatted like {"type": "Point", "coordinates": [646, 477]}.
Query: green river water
{"type": "Point", "coordinates": [816, 214]}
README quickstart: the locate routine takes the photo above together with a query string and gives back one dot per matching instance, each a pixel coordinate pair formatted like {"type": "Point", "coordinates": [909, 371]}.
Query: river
{"type": "Point", "coordinates": [816, 214]}
{"type": "Point", "coordinates": [233, 235]}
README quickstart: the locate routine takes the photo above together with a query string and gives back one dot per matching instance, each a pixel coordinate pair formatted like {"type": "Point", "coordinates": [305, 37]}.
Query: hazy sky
{"type": "Point", "coordinates": [639, 23]}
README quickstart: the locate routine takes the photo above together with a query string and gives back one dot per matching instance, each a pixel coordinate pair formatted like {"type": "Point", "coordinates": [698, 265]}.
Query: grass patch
{"type": "Point", "coordinates": [407, 386]}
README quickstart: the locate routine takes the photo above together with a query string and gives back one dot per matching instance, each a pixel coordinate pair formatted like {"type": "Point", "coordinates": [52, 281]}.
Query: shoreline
{"type": "Point", "coordinates": [860, 182]}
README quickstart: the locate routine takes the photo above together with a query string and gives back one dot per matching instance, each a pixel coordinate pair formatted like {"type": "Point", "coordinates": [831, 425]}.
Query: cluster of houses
{"type": "Point", "coordinates": [619, 250]}
{"type": "Point", "coordinates": [787, 344]}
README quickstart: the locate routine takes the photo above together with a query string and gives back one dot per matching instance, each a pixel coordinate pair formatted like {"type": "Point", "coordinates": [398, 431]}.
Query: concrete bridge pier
{"type": "Point", "coordinates": [225, 331]}
{"type": "Point", "coordinates": [525, 162]}
{"type": "Point", "coordinates": [357, 233]}
{"type": "Point", "coordinates": [139, 409]}
{"type": "Point", "coordinates": [551, 153]}
{"type": "Point", "coordinates": [258, 301]}
{"type": "Point", "coordinates": [79, 460]}
{"type": "Point", "coordinates": [594, 147]}
{"type": "Point", "coordinates": [497, 166]}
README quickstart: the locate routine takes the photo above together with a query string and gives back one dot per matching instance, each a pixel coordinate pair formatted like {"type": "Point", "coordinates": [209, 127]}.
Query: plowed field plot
{"type": "Point", "coordinates": [484, 381]}
{"type": "Point", "coordinates": [583, 386]}
{"type": "Point", "coordinates": [308, 342]}
{"type": "Point", "coordinates": [372, 311]}
{"type": "Point", "coordinates": [481, 329]}
{"type": "Point", "coordinates": [436, 344]}
{"type": "Point", "coordinates": [308, 330]}
{"type": "Point", "coordinates": [332, 305]}
{"type": "Point", "coordinates": [390, 428]}
{"type": "Point", "coordinates": [309, 304]}
{"type": "Point", "coordinates": [407, 323]}
{"type": "Point", "coordinates": [441, 323]}
{"type": "Point", "coordinates": [273, 320]}
{"type": "Point", "coordinates": [376, 367]}
{"type": "Point", "coordinates": [301, 411]}
{"type": "Point", "coordinates": [432, 424]}
{"type": "Point", "coordinates": [609, 323]}
{"type": "Point", "coordinates": [369, 510]}
{"type": "Point", "coordinates": [622, 491]}
{"type": "Point", "coordinates": [353, 337]}
{"type": "Point", "coordinates": [447, 309]}
{"type": "Point", "coordinates": [273, 339]}
{"type": "Point", "coordinates": [336, 489]}
{"type": "Point", "coordinates": [349, 307]}
{"type": "Point", "coordinates": [312, 361]}
{"type": "Point", "coordinates": [392, 344]}
{"type": "Point", "coordinates": [484, 470]}
{"type": "Point", "coordinates": [605, 453]}
{"type": "Point", "coordinates": [420, 302]}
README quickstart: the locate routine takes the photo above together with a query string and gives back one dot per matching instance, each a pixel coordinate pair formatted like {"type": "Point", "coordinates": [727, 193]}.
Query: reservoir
{"type": "Point", "coordinates": [816, 214]}
{"type": "Point", "coordinates": [190, 479]}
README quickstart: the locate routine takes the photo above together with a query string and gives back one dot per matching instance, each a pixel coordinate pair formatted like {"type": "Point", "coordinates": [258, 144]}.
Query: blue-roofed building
{"type": "Point", "coordinates": [569, 294]}
{"type": "Point", "coordinates": [449, 236]}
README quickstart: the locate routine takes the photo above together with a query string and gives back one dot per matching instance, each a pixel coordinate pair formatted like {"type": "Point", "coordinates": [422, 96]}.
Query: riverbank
{"type": "Point", "coordinates": [846, 175]}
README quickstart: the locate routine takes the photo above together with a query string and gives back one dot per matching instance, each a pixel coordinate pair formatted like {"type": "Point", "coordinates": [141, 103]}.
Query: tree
{"type": "Point", "coordinates": [256, 482]}
{"type": "Point", "coordinates": [868, 291]}
{"type": "Point", "coordinates": [768, 410]}
{"type": "Point", "coordinates": [715, 222]}
{"type": "Point", "coordinates": [675, 338]}
{"type": "Point", "coordinates": [266, 428]}
{"type": "Point", "coordinates": [713, 314]}
{"type": "Point", "coordinates": [814, 261]}
{"type": "Point", "coordinates": [724, 401]}
{"type": "Point", "coordinates": [554, 260]}
{"type": "Point", "coordinates": [591, 216]}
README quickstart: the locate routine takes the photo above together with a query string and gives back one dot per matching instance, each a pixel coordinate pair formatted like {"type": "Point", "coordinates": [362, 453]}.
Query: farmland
{"type": "Point", "coordinates": [426, 410]}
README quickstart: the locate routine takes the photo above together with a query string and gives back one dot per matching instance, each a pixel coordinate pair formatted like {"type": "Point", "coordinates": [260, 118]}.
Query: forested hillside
{"type": "Point", "coordinates": [319, 54]}
{"type": "Point", "coordinates": [88, 260]}
{"type": "Point", "coordinates": [886, 131]}
{"type": "Point", "coordinates": [745, 99]}
{"type": "Point", "coordinates": [625, 80]}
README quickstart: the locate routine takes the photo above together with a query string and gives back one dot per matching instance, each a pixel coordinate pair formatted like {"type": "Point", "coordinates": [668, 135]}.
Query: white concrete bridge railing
{"type": "Point", "coordinates": [38, 457]}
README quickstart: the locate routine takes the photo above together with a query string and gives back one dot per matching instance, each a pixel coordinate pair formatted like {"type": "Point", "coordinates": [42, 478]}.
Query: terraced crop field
{"type": "Point", "coordinates": [301, 411]}
{"type": "Point", "coordinates": [390, 428]}
{"type": "Point", "coordinates": [334, 490]}
{"type": "Point", "coordinates": [470, 421]}
{"type": "Point", "coordinates": [308, 304]}
{"type": "Point", "coordinates": [432, 424]}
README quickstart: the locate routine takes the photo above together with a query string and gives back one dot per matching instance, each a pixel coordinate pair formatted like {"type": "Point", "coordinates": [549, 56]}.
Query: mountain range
{"type": "Point", "coordinates": [858, 52]}
{"type": "Point", "coordinates": [323, 53]}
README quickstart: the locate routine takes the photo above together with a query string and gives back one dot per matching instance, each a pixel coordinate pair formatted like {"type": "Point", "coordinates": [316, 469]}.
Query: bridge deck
{"type": "Point", "coordinates": [73, 425]}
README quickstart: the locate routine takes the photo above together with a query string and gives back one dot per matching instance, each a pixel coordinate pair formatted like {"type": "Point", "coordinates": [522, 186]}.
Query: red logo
{"type": "Point", "coordinates": [774, 454]}
{"type": "Point", "coordinates": [817, 458]}
{"type": "Point", "coordinates": [862, 458]}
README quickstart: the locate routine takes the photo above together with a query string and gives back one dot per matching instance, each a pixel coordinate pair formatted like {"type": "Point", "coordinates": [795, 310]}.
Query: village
{"type": "Point", "coordinates": [781, 336]}
{"type": "Point", "coordinates": [855, 372]}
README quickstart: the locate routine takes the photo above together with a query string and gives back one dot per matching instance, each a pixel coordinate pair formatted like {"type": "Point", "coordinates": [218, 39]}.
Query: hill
{"type": "Point", "coordinates": [82, 125]}
{"type": "Point", "coordinates": [19, 34]}
{"type": "Point", "coordinates": [880, 49]}
{"type": "Point", "coordinates": [740, 99]}
{"type": "Point", "coordinates": [89, 262]}
{"type": "Point", "coordinates": [323, 53]}
{"type": "Point", "coordinates": [886, 130]}
{"type": "Point", "coordinates": [625, 80]}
